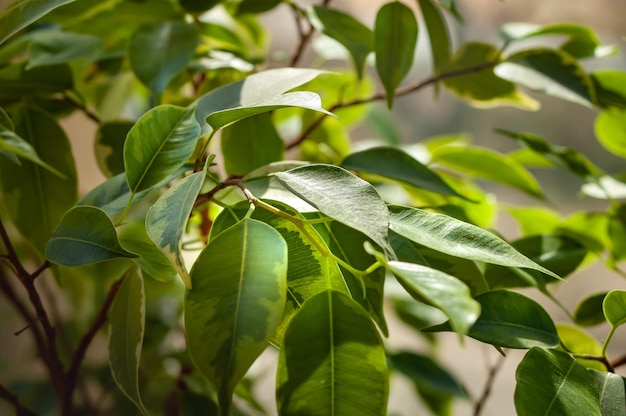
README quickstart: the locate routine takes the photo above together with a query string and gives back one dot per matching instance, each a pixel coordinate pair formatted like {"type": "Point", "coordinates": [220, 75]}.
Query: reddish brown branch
{"type": "Point", "coordinates": [381, 96]}
{"type": "Point", "coordinates": [609, 367]}
{"type": "Point", "coordinates": [20, 410]}
{"type": "Point", "coordinates": [79, 354]}
{"type": "Point", "coordinates": [619, 361]}
{"type": "Point", "coordinates": [304, 34]}
{"type": "Point", "coordinates": [491, 376]}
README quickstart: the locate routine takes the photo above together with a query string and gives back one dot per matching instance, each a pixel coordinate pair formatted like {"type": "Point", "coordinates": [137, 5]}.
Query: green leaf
{"type": "Point", "coordinates": [551, 72]}
{"type": "Point", "coordinates": [55, 47]}
{"type": "Point", "coordinates": [15, 145]}
{"type": "Point", "coordinates": [614, 307]}
{"type": "Point", "coordinates": [126, 330]}
{"type": "Point", "coordinates": [552, 383]}
{"type": "Point", "coordinates": [109, 146]}
{"type": "Point", "coordinates": [16, 82]}
{"type": "Point", "coordinates": [309, 269]}
{"type": "Point", "coordinates": [35, 198]}
{"type": "Point", "coordinates": [197, 6]}
{"type": "Point", "coordinates": [510, 320]}
{"type": "Point", "coordinates": [576, 341]}
{"type": "Point", "coordinates": [457, 238]}
{"type": "Point", "coordinates": [610, 130]}
{"type": "Point", "coordinates": [395, 38]}
{"type": "Point", "coordinates": [263, 90]}
{"type": "Point", "coordinates": [158, 51]}
{"type": "Point", "coordinates": [236, 301]}
{"type": "Point", "coordinates": [357, 38]}
{"type": "Point", "coordinates": [480, 86]}
{"type": "Point", "coordinates": [22, 13]}
{"type": "Point", "coordinates": [396, 164]}
{"type": "Point", "coordinates": [612, 390]}
{"type": "Point", "coordinates": [535, 220]}
{"type": "Point", "coordinates": [343, 197]}
{"type": "Point", "coordinates": [609, 85]}
{"type": "Point", "coordinates": [150, 259]}
{"type": "Point", "coordinates": [440, 290]}
{"type": "Point", "coordinates": [85, 235]}
{"type": "Point", "coordinates": [581, 41]}
{"type": "Point", "coordinates": [488, 164]}
{"type": "Point", "coordinates": [256, 6]}
{"type": "Point", "coordinates": [589, 312]}
{"type": "Point", "coordinates": [158, 144]}
{"type": "Point", "coordinates": [302, 99]}
{"type": "Point", "coordinates": [332, 362]}
{"type": "Point", "coordinates": [438, 33]}
{"type": "Point", "coordinates": [167, 218]}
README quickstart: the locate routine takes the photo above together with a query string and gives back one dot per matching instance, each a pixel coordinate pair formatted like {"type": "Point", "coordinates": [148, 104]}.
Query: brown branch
{"type": "Point", "coordinates": [80, 106]}
{"type": "Point", "coordinates": [609, 367]}
{"type": "Point", "coordinates": [304, 34]}
{"type": "Point", "coordinates": [79, 354]}
{"type": "Point", "coordinates": [619, 361]}
{"type": "Point", "coordinates": [381, 96]}
{"type": "Point", "coordinates": [11, 253]}
{"type": "Point", "coordinates": [491, 376]}
{"type": "Point", "coordinates": [232, 180]}
{"type": "Point", "coordinates": [20, 410]}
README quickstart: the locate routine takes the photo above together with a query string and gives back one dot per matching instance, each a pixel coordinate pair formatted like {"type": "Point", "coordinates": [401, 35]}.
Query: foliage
{"type": "Point", "coordinates": [237, 218]}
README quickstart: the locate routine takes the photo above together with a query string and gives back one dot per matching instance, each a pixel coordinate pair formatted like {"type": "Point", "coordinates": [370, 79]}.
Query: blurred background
{"type": "Point", "coordinates": [419, 116]}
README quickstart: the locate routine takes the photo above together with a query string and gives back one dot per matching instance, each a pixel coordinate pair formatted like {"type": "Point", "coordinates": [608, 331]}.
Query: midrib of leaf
{"type": "Point", "coordinates": [91, 243]}
{"type": "Point", "coordinates": [569, 370]}
{"type": "Point", "coordinates": [512, 325]}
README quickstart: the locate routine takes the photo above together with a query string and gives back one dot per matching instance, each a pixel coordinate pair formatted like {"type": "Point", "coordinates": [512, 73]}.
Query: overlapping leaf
{"type": "Point", "coordinates": [438, 33]}
{"type": "Point", "coordinates": [23, 13]}
{"type": "Point", "coordinates": [57, 47]}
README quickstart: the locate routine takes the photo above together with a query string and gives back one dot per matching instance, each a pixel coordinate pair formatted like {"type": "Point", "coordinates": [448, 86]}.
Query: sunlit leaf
{"type": "Point", "coordinates": [576, 341]}
{"type": "Point", "coordinates": [614, 307]}
{"type": "Point", "coordinates": [605, 187]}
{"type": "Point", "coordinates": [56, 47]}
{"type": "Point", "coordinates": [23, 13]}
{"type": "Point", "coordinates": [236, 301]}
{"type": "Point", "coordinates": [85, 235]}
{"type": "Point", "coordinates": [551, 382]}
{"type": "Point", "coordinates": [535, 220]}
{"type": "Point", "coordinates": [157, 52]}
{"type": "Point", "coordinates": [333, 361]}
{"type": "Point", "coordinates": [610, 130]}
{"type": "Point", "coordinates": [395, 38]}
{"type": "Point", "coordinates": [126, 330]}
{"type": "Point", "coordinates": [612, 390]}
{"type": "Point", "coordinates": [510, 320]}
{"type": "Point", "coordinates": [610, 87]}
{"type": "Point", "coordinates": [589, 311]}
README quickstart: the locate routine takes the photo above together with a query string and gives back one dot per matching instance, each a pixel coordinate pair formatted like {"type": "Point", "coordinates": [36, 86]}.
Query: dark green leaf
{"type": "Point", "coordinates": [551, 72]}
{"type": "Point", "coordinates": [12, 144]}
{"type": "Point", "coordinates": [510, 320]}
{"type": "Point", "coordinates": [251, 143]}
{"type": "Point", "coordinates": [614, 307]}
{"type": "Point", "coordinates": [457, 238]}
{"type": "Point", "coordinates": [157, 52]}
{"type": "Point", "coordinates": [552, 383]}
{"type": "Point", "coordinates": [236, 301]}
{"type": "Point", "coordinates": [438, 33]}
{"type": "Point", "coordinates": [22, 13]}
{"type": "Point", "coordinates": [16, 82]}
{"type": "Point", "coordinates": [332, 362]}
{"type": "Point", "coordinates": [256, 6]}
{"type": "Point", "coordinates": [197, 6]}
{"type": "Point", "coordinates": [612, 390]}
{"type": "Point", "coordinates": [85, 235]}
{"type": "Point", "coordinates": [589, 311]}
{"type": "Point", "coordinates": [396, 164]}
{"type": "Point", "coordinates": [158, 144]}
{"type": "Point", "coordinates": [34, 197]}
{"type": "Point", "coordinates": [395, 38]}
{"type": "Point", "coordinates": [342, 196]}
{"type": "Point", "coordinates": [109, 146]}
{"type": "Point", "coordinates": [56, 47]}
{"type": "Point", "coordinates": [126, 330]}
{"type": "Point", "coordinates": [167, 218]}
{"type": "Point", "coordinates": [481, 87]}
{"type": "Point", "coordinates": [357, 38]}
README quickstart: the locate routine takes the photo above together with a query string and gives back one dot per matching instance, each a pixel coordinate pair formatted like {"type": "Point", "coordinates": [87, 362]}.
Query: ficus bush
{"type": "Point", "coordinates": [237, 217]}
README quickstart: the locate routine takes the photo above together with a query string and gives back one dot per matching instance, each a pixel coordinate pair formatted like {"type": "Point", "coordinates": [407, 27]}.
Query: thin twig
{"type": "Point", "coordinates": [491, 376]}
{"type": "Point", "coordinates": [80, 106]}
{"type": "Point", "coordinates": [619, 361]}
{"type": "Point", "coordinates": [232, 180]}
{"type": "Point", "coordinates": [20, 410]}
{"type": "Point", "coordinates": [304, 34]}
{"type": "Point", "coordinates": [609, 367]}
{"type": "Point", "coordinates": [11, 253]}
{"type": "Point", "coordinates": [79, 354]}
{"type": "Point", "coordinates": [381, 96]}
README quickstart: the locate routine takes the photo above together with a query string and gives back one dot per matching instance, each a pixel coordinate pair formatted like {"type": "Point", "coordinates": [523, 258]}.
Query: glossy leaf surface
{"type": "Point", "coordinates": [23, 13]}
{"type": "Point", "coordinates": [236, 301]}
{"type": "Point", "coordinates": [551, 382]}
{"type": "Point", "coordinates": [333, 361]}
{"type": "Point", "coordinates": [612, 391]}
{"type": "Point", "coordinates": [457, 238]}
{"type": "Point", "coordinates": [126, 330]}
{"type": "Point", "coordinates": [167, 218]}
{"type": "Point", "coordinates": [85, 235]}
{"type": "Point", "coordinates": [395, 38]}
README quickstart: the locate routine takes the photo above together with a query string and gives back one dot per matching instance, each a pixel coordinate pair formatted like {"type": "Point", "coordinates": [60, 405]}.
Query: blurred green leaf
{"type": "Point", "coordinates": [256, 6]}
{"type": "Point", "coordinates": [22, 13]}
{"type": "Point", "coordinates": [610, 130]}
{"type": "Point", "coordinates": [535, 220]}
{"type": "Point", "coordinates": [16, 82]}
{"type": "Point", "coordinates": [614, 307]}
{"type": "Point", "coordinates": [610, 87]}
{"type": "Point", "coordinates": [576, 341]}
{"type": "Point", "coordinates": [56, 47]}
{"type": "Point", "coordinates": [109, 146]}
{"type": "Point", "coordinates": [589, 310]}
{"type": "Point", "coordinates": [438, 33]}
{"type": "Point", "coordinates": [197, 6]}
{"type": "Point", "coordinates": [612, 389]}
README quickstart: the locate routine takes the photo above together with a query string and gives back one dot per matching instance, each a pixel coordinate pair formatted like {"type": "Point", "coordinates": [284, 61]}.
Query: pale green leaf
{"type": "Point", "coordinates": [614, 307]}
{"type": "Point", "coordinates": [577, 341]}
{"type": "Point", "coordinates": [342, 196]}
{"type": "Point", "coordinates": [167, 218]}
{"type": "Point", "coordinates": [612, 390]}
{"type": "Point", "coordinates": [85, 235]}
{"type": "Point", "coordinates": [35, 198]}
{"type": "Point", "coordinates": [535, 220]}
{"type": "Point", "coordinates": [158, 144]}
{"type": "Point", "coordinates": [552, 383]}
{"type": "Point", "coordinates": [610, 128]}
{"type": "Point", "coordinates": [332, 361]}
{"type": "Point", "coordinates": [439, 289]}
{"type": "Point", "coordinates": [158, 51]}
{"type": "Point", "coordinates": [236, 303]}
{"type": "Point", "coordinates": [551, 72]}
{"type": "Point", "coordinates": [56, 47]}
{"type": "Point", "coordinates": [126, 330]}
{"type": "Point", "coordinates": [23, 13]}
{"type": "Point", "coordinates": [395, 39]}
{"type": "Point", "coordinates": [457, 238]}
